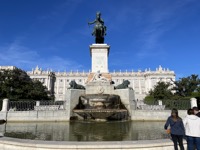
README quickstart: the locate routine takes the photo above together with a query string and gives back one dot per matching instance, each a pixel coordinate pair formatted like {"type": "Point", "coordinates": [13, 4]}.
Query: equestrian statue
{"type": "Point", "coordinates": [99, 30]}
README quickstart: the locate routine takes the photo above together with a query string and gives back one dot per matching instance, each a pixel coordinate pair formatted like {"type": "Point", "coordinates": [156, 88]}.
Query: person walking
{"type": "Point", "coordinates": [176, 129]}
{"type": "Point", "coordinates": [192, 130]}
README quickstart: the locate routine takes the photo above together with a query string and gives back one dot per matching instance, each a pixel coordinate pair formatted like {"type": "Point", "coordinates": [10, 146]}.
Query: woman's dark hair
{"type": "Point", "coordinates": [190, 111]}
{"type": "Point", "coordinates": [175, 111]}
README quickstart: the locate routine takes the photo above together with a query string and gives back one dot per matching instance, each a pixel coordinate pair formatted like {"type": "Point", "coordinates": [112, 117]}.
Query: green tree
{"type": "Point", "coordinates": [161, 91]}
{"type": "Point", "coordinates": [186, 86]}
{"type": "Point", "coordinates": [38, 91]}
{"type": "Point", "coordinates": [16, 84]}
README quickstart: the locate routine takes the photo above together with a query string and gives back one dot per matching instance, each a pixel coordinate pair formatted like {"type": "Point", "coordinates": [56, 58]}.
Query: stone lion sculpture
{"type": "Point", "coordinates": [124, 85]}
{"type": "Point", "coordinates": [74, 85]}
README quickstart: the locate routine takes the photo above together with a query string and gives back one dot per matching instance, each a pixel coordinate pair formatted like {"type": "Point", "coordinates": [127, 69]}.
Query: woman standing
{"type": "Point", "coordinates": [177, 129]}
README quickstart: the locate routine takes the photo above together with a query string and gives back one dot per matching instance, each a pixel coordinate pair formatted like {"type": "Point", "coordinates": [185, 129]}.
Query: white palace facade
{"type": "Point", "coordinates": [141, 81]}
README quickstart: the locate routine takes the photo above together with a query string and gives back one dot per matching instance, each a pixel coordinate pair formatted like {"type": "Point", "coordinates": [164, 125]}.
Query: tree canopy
{"type": "Point", "coordinates": [187, 85]}
{"type": "Point", "coordinates": [183, 88]}
{"type": "Point", "coordinates": [16, 84]}
{"type": "Point", "coordinates": [161, 91]}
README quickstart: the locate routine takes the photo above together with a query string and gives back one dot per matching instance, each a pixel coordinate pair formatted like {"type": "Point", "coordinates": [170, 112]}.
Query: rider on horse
{"type": "Point", "coordinates": [99, 26]}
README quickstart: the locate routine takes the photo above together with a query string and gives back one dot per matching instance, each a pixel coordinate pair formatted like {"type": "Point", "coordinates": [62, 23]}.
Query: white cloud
{"type": "Point", "coordinates": [58, 63]}
{"type": "Point", "coordinates": [17, 54]}
{"type": "Point", "coordinates": [160, 21]}
{"type": "Point", "coordinates": [149, 23]}
{"type": "Point", "coordinates": [25, 58]}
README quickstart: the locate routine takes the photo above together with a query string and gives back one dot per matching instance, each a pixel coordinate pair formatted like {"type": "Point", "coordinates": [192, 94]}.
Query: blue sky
{"type": "Point", "coordinates": [142, 34]}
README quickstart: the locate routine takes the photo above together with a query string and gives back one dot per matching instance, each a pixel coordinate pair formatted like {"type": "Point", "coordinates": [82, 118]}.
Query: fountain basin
{"type": "Point", "coordinates": [107, 114]}
{"type": "Point", "coordinates": [85, 135]}
{"type": "Point", "coordinates": [101, 107]}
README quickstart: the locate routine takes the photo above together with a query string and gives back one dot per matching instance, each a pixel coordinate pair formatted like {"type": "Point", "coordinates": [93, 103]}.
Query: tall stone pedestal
{"type": "Point", "coordinates": [72, 99]}
{"type": "Point", "coordinates": [99, 54]}
{"type": "Point", "coordinates": [127, 97]}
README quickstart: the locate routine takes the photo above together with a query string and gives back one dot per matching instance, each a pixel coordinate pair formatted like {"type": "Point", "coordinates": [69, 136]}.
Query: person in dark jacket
{"type": "Point", "coordinates": [196, 111]}
{"type": "Point", "coordinates": [177, 129]}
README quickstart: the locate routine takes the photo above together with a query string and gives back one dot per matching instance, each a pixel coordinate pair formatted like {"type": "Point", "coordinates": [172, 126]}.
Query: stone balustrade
{"type": "Point", "coordinates": [151, 107]}
{"type": "Point", "coordinates": [50, 107]}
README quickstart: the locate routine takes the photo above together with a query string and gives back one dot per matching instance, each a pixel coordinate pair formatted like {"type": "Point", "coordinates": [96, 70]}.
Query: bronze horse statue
{"type": "Point", "coordinates": [99, 30]}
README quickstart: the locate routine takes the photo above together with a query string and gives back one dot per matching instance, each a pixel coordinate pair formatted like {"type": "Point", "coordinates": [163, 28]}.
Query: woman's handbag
{"type": "Point", "coordinates": [168, 131]}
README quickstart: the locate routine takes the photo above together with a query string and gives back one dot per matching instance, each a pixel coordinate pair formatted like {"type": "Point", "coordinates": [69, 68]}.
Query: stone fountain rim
{"type": "Point", "coordinates": [100, 110]}
{"type": "Point", "coordinates": [40, 145]}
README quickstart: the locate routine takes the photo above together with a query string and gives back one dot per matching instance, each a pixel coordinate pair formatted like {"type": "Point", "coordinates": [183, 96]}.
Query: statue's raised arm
{"type": "Point", "coordinates": [89, 23]}
{"type": "Point", "coordinates": [99, 30]}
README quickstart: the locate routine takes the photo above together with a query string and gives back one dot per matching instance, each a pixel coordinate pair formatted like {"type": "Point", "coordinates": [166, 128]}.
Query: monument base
{"type": "Point", "coordinates": [128, 98]}
{"type": "Point", "coordinates": [101, 86]}
{"type": "Point", "coordinates": [99, 54]}
{"type": "Point", "coordinates": [72, 99]}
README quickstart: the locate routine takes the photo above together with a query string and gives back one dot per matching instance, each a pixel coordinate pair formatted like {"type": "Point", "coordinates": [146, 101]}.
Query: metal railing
{"type": "Point", "coordinates": [170, 104]}
{"type": "Point", "coordinates": [21, 105]}
{"type": "Point", "coordinates": [30, 105]}
{"type": "Point", "coordinates": [178, 104]}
